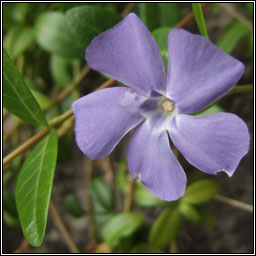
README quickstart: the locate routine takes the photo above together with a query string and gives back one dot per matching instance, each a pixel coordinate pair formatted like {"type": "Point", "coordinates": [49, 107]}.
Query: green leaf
{"type": "Point", "coordinates": [41, 98]}
{"type": "Point", "coordinates": [189, 211]}
{"type": "Point", "coordinates": [103, 217]}
{"type": "Point", "coordinates": [200, 192]}
{"type": "Point", "coordinates": [16, 96]}
{"type": "Point", "coordinates": [145, 248]}
{"type": "Point", "coordinates": [86, 22]}
{"type": "Point", "coordinates": [161, 36]}
{"type": "Point", "coordinates": [145, 198]}
{"type": "Point", "coordinates": [149, 14]}
{"type": "Point", "coordinates": [231, 36]}
{"type": "Point", "coordinates": [73, 206]}
{"type": "Point", "coordinates": [19, 39]}
{"type": "Point", "coordinates": [155, 15]}
{"type": "Point", "coordinates": [212, 109]}
{"type": "Point", "coordinates": [102, 193]}
{"type": "Point", "coordinates": [122, 225]}
{"type": "Point", "coordinates": [199, 17]}
{"type": "Point", "coordinates": [53, 35]}
{"type": "Point", "coordinates": [34, 186]}
{"type": "Point", "coordinates": [60, 70]}
{"type": "Point", "coordinates": [166, 227]}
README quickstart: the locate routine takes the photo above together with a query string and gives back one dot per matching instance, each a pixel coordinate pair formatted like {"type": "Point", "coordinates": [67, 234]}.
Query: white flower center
{"type": "Point", "coordinates": [167, 105]}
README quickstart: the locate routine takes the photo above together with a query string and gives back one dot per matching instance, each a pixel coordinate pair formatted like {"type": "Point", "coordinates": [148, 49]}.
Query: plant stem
{"type": "Point", "coordinates": [189, 17]}
{"type": "Point", "coordinates": [241, 89]}
{"type": "Point", "coordinates": [24, 245]}
{"type": "Point", "coordinates": [234, 203]}
{"type": "Point", "coordinates": [60, 224]}
{"type": "Point", "coordinates": [108, 83]}
{"type": "Point", "coordinates": [127, 9]}
{"type": "Point", "coordinates": [70, 87]}
{"type": "Point", "coordinates": [25, 146]}
{"type": "Point", "coordinates": [128, 201]}
{"type": "Point", "coordinates": [5, 113]}
{"type": "Point", "coordinates": [89, 205]}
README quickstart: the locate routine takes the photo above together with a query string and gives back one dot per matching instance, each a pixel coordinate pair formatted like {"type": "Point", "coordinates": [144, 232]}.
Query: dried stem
{"type": "Point", "coordinates": [5, 113]}
{"type": "Point", "coordinates": [24, 245]}
{"type": "Point", "coordinates": [127, 9]}
{"type": "Point", "coordinates": [25, 146]}
{"type": "Point", "coordinates": [63, 230]}
{"type": "Point", "coordinates": [108, 83]}
{"type": "Point", "coordinates": [89, 206]}
{"type": "Point", "coordinates": [70, 88]}
{"type": "Point", "coordinates": [234, 203]}
{"type": "Point", "coordinates": [34, 139]}
{"type": "Point", "coordinates": [173, 246]}
{"type": "Point", "coordinates": [189, 17]}
{"type": "Point", "coordinates": [128, 201]}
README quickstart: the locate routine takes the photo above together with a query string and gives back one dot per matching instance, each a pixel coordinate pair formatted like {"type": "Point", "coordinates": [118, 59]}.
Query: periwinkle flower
{"type": "Point", "coordinates": [158, 106]}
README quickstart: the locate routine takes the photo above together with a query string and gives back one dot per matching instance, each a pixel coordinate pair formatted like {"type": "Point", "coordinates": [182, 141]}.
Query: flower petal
{"type": "Point", "coordinates": [212, 143]}
{"type": "Point", "coordinates": [151, 159]}
{"type": "Point", "coordinates": [102, 118]}
{"type": "Point", "coordinates": [198, 73]}
{"type": "Point", "coordinates": [129, 53]}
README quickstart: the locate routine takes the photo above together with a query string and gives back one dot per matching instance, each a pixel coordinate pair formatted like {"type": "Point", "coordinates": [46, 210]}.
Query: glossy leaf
{"type": "Point", "coordinates": [86, 22]}
{"type": "Point", "coordinates": [53, 35]}
{"type": "Point", "coordinates": [16, 96]}
{"type": "Point", "coordinates": [60, 70]}
{"type": "Point", "coordinates": [102, 193]}
{"type": "Point", "coordinates": [161, 36]}
{"type": "Point", "coordinates": [231, 36]}
{"type": "Point", "coordinates": [145, 198]}
{"type": "Point", "coordinates": [73, 206]}
{"type": "Point", "coordinates": [189, 211]}
{"type": "Point", "coordinates": [200, 192]}
{"type": "Point", "coordinates": [122, 225]}
{"type": "Point", "coordinates": [34, 186]}
{"type": "Point", "coordinates": [199, 17]}
{"type": "Point", "coordinates": [155, 15]}
{"type": "Point", "coordinates": [19, 39]}
{"type": "Point", "coordinates": [166, 227]}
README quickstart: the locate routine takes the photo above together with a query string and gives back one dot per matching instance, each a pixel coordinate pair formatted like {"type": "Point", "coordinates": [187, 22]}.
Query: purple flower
{"type": "Point", "coordinates": [158, 106]}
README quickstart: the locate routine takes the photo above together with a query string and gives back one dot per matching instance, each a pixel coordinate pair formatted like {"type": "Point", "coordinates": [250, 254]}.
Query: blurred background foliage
{"type": "Point", "coordinates": [103, 209]}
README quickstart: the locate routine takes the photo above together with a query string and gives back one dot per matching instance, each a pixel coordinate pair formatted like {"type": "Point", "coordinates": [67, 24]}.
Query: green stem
{"type": "Point", "coordinates": [241, 89]}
